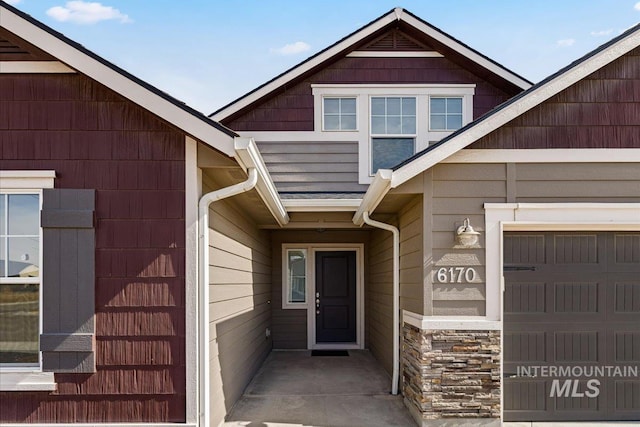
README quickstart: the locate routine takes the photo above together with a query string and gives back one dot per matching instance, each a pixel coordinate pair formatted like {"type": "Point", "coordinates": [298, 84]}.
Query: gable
{"type": "Point", "coordinates": [599, 111]}
{"type": "Point", "coordinates": [13, 48]}
{"type": "Point", "coordinates": [405, 59]}
{"type": "Point", "coordinates": [391, 35]}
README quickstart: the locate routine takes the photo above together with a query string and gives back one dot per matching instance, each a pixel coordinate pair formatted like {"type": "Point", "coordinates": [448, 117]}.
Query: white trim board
{"type": "Point", "coordinates": [394, 54]}
{"type": "Point", "coordinates": [16, 380]}
{"type": "Point", "coordinates": [459, 323]}
{"type": "Point", "coordinates": [193, 189]}
{"type": "Point", "coordinates": [35, 67]}
{"type": "Point", "coordinates": [398, 14]}
{"type": "Point", "coordinates": [27, 179]}
{"type": "Point", "coordinates": [500, 217]}
{"type": "Point", "coordinates": [549, 155]}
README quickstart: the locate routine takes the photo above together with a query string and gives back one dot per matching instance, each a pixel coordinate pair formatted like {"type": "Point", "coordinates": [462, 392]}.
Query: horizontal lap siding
{"type": "Point", "coordinates": [600, 111]}
{"type": "Point", "coordinates": [292, 108]}
{"type": "Point", "coordinates": [411, 259]}
{"type": "Point", "coordinates": [379, 298]}
{"type": "Point", "coordinates": [95, 139]}
{"type": "Point", "coordinates": [460, 190]}
{"type": "Point", "coordinates": [313, 166]}
{"type": "Point", "coordinates": [239, 306]}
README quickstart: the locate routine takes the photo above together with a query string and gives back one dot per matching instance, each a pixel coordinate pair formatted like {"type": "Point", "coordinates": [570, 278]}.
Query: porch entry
{"type": "Point", "coordinates": [336, 297]}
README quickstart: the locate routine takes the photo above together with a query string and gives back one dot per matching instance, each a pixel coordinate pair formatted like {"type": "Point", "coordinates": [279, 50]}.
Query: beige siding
{"type": "Point", "coordinates": [240, 290]}
{"type": "Point", "coordinates": [411, 256]}
{"type": "Point", "coordinates": [379, 298]}
{"type": "Point", "coordinates": [290, 325]}
{"type": "Point", "coordinates": [459, 191]}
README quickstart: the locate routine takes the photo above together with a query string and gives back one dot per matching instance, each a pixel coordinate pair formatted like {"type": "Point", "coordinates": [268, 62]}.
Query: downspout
{"type": "Point", "coordinates": [203, 283]}
{"type": "Point", "coordinates": [396, 295]}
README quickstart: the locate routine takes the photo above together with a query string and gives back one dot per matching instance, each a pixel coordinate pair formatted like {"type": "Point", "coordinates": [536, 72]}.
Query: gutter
{"type": "Point", "coordinates": [249, 158]}
{"type": "Point", "coordinates": [379, 187]}
{"type": "Point", "coordinates": [203, 285]}
{"type": "Point", "coordinates": [396, 296]}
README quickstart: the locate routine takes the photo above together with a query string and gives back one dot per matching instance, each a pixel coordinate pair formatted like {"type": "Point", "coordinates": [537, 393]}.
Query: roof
{"type": "Point", "coordinates": [385, 180]}
{"type": "Point", "coordinates": [518, 105]}
{"type": "Point", "coordinates": [136, 90]}
{"type": "Point", "coordinates": [348, 42]}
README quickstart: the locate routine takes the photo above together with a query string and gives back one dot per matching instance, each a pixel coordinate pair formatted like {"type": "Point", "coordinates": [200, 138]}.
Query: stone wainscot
{"type": "Point", "coordinates": [451, 377]}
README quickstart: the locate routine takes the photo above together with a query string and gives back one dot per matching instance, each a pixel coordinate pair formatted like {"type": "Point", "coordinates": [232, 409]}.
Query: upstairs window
{"type": "Point", "coordinates": [393, 130]}
{"type": "Point", "coordinates": [445, 113]}
{"type": "Point", "coordinates": [339, 114]}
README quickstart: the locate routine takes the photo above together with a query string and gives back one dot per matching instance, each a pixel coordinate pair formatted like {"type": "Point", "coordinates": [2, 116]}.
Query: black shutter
{"type": "Point", "coordinates": [68, 280]}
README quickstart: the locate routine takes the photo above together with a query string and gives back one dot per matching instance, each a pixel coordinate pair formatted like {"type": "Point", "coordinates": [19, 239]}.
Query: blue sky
{"type": "Point", "coordinates": [209, 52]}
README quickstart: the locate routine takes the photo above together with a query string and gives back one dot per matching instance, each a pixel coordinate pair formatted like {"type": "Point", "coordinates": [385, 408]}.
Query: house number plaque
{"type": "Point", "coordinates": [456, 275]}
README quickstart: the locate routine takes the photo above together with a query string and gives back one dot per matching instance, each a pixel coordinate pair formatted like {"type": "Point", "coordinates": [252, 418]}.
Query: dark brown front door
{"type": "Point", "coordinates": [572, 326]}
{"type": "Point", "coordinates": [336, 296]}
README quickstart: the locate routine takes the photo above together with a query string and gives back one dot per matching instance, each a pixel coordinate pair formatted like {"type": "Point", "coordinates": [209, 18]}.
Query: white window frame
{"type": "Point", "coordinates": [286, 248]}
{"type": "Point", "coordinates": [354, 97]}
{"type": "Point", "coordinates": [372, 136]}
{"type": "Point", "coordinates": [446, 131]}
{"type": "Point", "coordinates": [363, 93]}
{"type": "Point", "coordinates": [31, 377]}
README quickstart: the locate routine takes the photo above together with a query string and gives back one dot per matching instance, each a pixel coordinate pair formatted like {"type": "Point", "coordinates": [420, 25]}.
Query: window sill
{"type": "Point", "coordinates": [27, 381]}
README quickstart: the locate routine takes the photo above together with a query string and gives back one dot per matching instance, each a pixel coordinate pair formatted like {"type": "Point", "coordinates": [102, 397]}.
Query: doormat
{"type": "Point", "coordinates": [329, 353]}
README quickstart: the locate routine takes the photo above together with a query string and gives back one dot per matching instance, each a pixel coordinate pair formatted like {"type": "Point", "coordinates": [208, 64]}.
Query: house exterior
{"type": "Point", "coordinates": [398, 192]}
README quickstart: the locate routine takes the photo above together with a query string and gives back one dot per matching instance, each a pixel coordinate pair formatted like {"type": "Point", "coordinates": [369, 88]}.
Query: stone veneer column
{"type": "Point", "coordinates": [451, 377]}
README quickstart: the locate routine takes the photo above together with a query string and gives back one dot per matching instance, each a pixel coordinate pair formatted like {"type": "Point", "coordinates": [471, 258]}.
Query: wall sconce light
{"type": "Point", "coordinates": [466, 236]}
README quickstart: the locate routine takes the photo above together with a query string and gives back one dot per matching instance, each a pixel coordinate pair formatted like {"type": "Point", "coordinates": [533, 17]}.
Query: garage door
{"type": "Point", "coordinates": [572, 326]}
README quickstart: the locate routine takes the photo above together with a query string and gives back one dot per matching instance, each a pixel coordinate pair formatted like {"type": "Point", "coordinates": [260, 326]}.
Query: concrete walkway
{"type": "Point", "coordinates": [293, 388]}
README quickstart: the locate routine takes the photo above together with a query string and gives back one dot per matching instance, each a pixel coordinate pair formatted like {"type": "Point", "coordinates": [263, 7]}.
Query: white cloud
{"type": "Point", "coordinates": [81, 12]}
{"type": "Point", "coordinates": [292, 49]}
{"type": "Point", "coordinates": [566, 42]}
{"type": "Point", "coordinates": [637, 6]}
{"type": "Point", "coordinates": [602, 33]}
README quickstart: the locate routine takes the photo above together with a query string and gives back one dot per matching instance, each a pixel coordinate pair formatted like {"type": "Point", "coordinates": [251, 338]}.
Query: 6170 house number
{"type": "Point", "coordinates": [456, 275]}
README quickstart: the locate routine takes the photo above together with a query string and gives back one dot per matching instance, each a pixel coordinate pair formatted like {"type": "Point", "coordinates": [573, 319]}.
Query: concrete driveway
{"type": "Point", "coordinates": [294, 388]}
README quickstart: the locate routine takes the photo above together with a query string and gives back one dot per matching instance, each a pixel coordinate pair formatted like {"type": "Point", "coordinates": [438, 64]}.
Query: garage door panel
{"type": "Point", "coordinates": [590, 319]}
{"type": "Point", "coordinates": [529, 346]}
{"type": "Point", "coordinates": [578, 346]}
{"type": "Point", "coordinates": [576, 297]}
{"type": "Point", "coordinates": [526, 298]}
{"type": "Point", "coordinates": [626, 252]}
{"type": "Point", "coordinates": [583, 249]}
{"type": "Point", "coordinates": [627, 397]}
{"type": "Point", "coordinates": [626, 346]}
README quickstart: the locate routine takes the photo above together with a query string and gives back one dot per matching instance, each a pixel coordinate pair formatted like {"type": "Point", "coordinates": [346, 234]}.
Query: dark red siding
{"type": "Point", "coordinates": [600, 111]}
{"type": "Point", "coordinates": [292, 110]}
{"type": "Point", "coordinates": [94, 138]}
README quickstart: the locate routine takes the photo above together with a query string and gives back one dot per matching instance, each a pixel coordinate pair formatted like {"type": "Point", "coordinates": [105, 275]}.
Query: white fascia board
{"type": "Point", "coordinates": [34, 67]}
{"type": "Point", "coordinates": [248, 156]}
{"type": "Point", "coordinates": [547, 155]}
{"type": "Point", "coordinates": [379, 187]}
{"type": "Point", "coordinates": [126, 87]}
{"type": "Point", "coordinates": [468, 53]}
{"type": "Point", "coordinates": [394, 54]}
{"type": "Point", "coordinates": [306, 66]}
{"type": "Point", "coordinates": [525, 103]}
{"type": "Point", "coordinates": [321, 205]}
